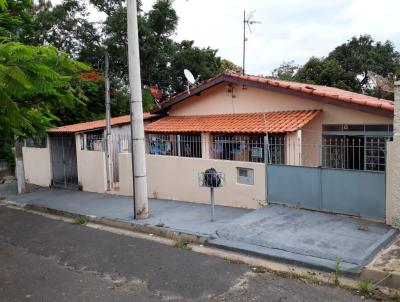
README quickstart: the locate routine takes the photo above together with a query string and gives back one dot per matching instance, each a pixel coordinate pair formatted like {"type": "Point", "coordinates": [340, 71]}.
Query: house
{"type": "Point", "coordinates": [68, 157]}
{"type": "Point", "coordinates": [233, 108]}
{"type": "Point", "coordinates": [273, 140]}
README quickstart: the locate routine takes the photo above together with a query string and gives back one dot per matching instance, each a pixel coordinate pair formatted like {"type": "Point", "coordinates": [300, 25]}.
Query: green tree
{"type": "Point", "coordinates": [230, 67]}
{"type": "Point", "coordinates": [15, 19]}
{"type": "Point", "coordinates": [286, 71]}
{"type": "Point", "coordinates": [347, 66]}
{"type": "Point", "coordinates": [34, 80]}
{"type": "Point", "coordinates": [65, 26]}
{"type": "Point", "coordinates": [162, 59]}
{"type": "Point", "coordinates": [327, 72]}
{"type": "Point", "coordinates": [202, 62]}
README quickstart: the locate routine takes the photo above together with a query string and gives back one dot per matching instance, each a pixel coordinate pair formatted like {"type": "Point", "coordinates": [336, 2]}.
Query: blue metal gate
{"type": "Point", "coordinates": [361, 193]}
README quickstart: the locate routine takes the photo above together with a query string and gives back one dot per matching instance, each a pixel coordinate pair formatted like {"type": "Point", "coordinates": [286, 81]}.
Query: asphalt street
{"type": "Point", "coordinates": [42, 259]}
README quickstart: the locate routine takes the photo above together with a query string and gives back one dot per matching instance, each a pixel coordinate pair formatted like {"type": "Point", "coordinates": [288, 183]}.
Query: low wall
{"type": "Point", "coordinates": [92, 171]}
{"type": "Point", "coordinates": [176, 178]}
{"type": "Point", "coordinates": [37, 166]}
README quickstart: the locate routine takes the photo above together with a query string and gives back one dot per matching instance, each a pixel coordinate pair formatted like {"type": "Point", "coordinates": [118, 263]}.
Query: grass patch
{"type": "Point", "coordinates": [232, 261]}
{"type": "Point", "coordinates": [258, 269]}
{"type": "Point", "coordinates": [364, 286]}
{"type": "Point", "coordinates": [395, 297]}
{"type": "Point", "coordinates": [337, 271]}
{"type": "Point", "coordinates": [80, 220]}
{"type": "Point", "coordinates": [182, 243]}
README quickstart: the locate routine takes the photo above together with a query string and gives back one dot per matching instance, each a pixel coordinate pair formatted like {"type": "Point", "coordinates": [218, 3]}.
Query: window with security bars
{"type": "Point", "coordinates": [94, 141]}
{"type": "Point", "coordinates": [247, 148]}
{"type": "Point", "coordinates": [183, 145]}
{"type": "Point", "coordinates": [354, 152]}
{"type": "Point", "coordinates": [38, 141]}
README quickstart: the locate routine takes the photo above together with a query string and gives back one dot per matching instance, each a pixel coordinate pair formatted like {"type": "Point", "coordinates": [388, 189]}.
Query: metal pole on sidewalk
{"type": "Point", "coordinates": [108, 124]}
{"type": "Point", "coordinates": [140, 200]}
{"type": "Point", "coordinates": [212, 204]}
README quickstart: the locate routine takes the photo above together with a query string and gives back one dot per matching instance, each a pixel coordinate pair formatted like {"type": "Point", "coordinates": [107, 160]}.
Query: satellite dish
{"type": "Point", "coordinates": [189, 76]}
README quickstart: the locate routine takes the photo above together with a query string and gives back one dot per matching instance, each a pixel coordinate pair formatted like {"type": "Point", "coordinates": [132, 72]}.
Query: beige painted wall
{"type": "Point", "coordinates": [37, 166]}
{"type": "Point", "coordinates": [176, 178]}
{"type": "Point", "coordinates": [91, 170]}
{"type": "Point", "coordinates": [311, 137]}
{"type": "Point", "coordinates": [218, 100]}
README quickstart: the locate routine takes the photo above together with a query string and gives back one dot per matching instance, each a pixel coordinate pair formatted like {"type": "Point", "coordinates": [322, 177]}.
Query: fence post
{"type": "Point", "coordinates": [396, 159]}
{"type": "Point", "coordinates": [266, 165]}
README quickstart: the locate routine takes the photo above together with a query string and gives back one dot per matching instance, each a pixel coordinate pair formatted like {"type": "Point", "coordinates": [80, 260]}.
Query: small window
{"type": "Point", "coordinates": [37, 141]}
{"type": "Point", "coordinates": [245, 176]}
{"type": "Point", "coordinates": [82, 141]}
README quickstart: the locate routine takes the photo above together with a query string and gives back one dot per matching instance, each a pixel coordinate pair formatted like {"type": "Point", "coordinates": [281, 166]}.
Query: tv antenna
{"type": "Point", "coordinates": [190, 78]}
{"type": "Point", "coordinates": [247, 20]}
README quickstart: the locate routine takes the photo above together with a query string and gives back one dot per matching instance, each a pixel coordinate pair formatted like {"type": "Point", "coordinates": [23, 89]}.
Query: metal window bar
{"type": "Point", "coordinates": [355, 153]}
{"type": "Point", "coordinates": [95, 142]}
{"type": "Point", "coordinates": [38, 141]}
{"type": "Point", "coordinates": [183, 145]}
{"type": "Point", "coordinates": [247, 148]}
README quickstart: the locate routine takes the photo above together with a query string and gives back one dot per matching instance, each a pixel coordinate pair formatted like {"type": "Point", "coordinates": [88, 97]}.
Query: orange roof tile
{"type": "Point", "coordinates": [274, 122]}
{"type": "Point", "coordinates": [331, 94]}
{"type": "Point", "coordinates": [99, 124]}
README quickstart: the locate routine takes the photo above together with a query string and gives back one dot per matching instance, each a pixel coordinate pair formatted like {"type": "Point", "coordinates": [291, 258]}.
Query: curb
{"type": "Point", "coordinates": [147, 229]}
{"type": "Point", "coordinates": [352, 273]}
{"type": "Point", "coordinates": [380, 278]}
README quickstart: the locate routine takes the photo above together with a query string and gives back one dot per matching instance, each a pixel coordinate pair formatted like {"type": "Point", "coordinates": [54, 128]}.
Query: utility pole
{"type": "Point", "coordinates": [246, 20]}
{"type": "Point", "coordinates": [140, 199]}
{"type": "Point", "coordinates": [109, 149]}
{"type": "Point", "coordinates": [19, 166]}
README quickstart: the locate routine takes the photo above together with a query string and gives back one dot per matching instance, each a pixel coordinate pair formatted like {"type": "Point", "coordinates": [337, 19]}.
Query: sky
{"type": "Point", "coordinates": [289, 29]}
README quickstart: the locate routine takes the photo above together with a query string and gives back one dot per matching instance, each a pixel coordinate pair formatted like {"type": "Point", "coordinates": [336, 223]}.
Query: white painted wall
{"type": "Point", "coordinates": [176, 178]}
{"type": "Point", "coordinates": [37, 166]}
{"type": "Point", "coordinates": [91, 170]}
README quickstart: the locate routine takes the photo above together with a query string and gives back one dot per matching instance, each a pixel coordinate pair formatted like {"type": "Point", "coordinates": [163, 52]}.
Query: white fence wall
{"type": "Point", "coordinates": [176, 178]}
{"type": "Point", "coordinates": [91, 170]}
{"type": "Point", "coordinates": [37, 166]}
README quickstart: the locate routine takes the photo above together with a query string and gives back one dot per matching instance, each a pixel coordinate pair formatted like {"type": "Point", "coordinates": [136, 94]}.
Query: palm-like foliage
{"type": "Point", "coordinates": [33, 81]}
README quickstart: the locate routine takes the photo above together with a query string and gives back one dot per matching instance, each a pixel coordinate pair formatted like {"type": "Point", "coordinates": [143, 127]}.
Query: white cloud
{"type": "Point", "coordinates": [290, 29]}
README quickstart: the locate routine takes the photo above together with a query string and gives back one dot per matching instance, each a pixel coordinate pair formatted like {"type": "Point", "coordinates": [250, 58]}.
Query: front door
{"type": "Point", "coordinates": [63, 161]}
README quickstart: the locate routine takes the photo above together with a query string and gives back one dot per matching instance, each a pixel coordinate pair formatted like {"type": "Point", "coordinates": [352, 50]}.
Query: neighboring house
{"type": "Point", "coordinates": [274, 140]}
{"type": "Point", "coordinates": [64, 157]}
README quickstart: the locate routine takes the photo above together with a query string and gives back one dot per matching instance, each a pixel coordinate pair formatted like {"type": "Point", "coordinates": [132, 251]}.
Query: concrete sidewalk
{"type": "Point", "coordinates": [275, 232]}
{"type": "Point", "coordinates": [183, 217]}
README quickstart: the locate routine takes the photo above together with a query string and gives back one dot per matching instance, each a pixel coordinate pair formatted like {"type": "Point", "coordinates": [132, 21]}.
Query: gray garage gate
{"type": "Point", "coordinates": [361, 193]}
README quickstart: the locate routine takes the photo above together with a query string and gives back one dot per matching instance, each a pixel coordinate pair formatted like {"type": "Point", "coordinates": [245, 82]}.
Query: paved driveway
{"type": "Point", "coordinates": [312, 238]}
